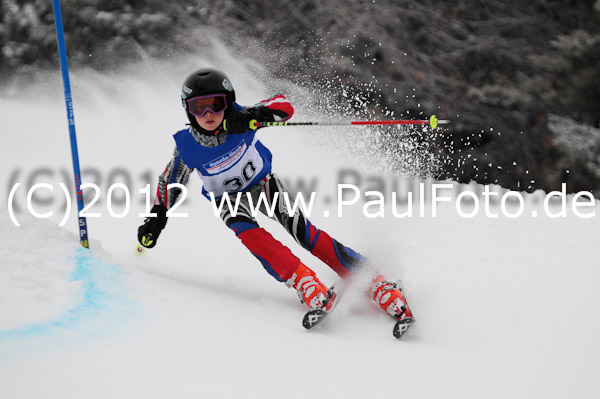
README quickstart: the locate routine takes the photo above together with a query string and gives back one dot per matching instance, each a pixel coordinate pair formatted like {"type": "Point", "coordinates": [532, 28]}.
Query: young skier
{"type": "Point", "coordinates": [221, 146]}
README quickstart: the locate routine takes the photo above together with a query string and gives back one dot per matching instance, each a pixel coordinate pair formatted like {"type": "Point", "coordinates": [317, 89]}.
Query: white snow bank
{"type": "Point", "coordinates": [48, 282]}
{"type": "Point", "coordinates": [36, 282]}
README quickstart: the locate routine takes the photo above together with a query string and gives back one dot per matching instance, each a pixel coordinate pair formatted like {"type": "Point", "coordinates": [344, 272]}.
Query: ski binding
{"type": "Point", "coordinates": [314, 317]}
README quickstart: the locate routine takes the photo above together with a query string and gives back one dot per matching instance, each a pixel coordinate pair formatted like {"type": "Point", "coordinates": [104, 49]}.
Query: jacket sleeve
{"type": "Point", "coordinates": [274, 109]}
{"type": "Point", "coordinates": [280, 107]}
{"type": "Point", "coordinates": [175, 172]}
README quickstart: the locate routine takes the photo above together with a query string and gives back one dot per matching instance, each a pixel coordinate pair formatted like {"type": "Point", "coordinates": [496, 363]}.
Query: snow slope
{"type": "Point", "coordinates": [505, 307]}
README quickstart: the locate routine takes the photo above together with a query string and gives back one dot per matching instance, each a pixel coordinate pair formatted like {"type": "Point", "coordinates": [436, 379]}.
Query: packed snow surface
{"type": "Point", "coordinates": [505, 307]}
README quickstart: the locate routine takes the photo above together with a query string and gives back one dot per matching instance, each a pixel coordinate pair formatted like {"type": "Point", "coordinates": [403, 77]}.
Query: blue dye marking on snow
{"type": "Point", "coordinates": [102, 297]}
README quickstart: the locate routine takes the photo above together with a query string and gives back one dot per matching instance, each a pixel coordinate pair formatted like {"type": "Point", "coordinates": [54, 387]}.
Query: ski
{"type": "Point", "coordinates": [402, 326]}
{"type": "Point", "coordinates": [315, 317]}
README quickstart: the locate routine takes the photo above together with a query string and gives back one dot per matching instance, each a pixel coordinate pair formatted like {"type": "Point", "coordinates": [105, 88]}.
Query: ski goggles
{"type": "Point", "coordinates": [214, 103]}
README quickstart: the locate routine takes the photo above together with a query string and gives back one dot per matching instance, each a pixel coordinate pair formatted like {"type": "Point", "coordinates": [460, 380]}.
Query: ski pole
{"type": "Point", "coordinates": [433, 122]}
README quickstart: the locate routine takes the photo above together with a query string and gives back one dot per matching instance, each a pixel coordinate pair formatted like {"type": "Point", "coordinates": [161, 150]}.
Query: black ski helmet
{"type": "Point", "coordinates": [203, 82]}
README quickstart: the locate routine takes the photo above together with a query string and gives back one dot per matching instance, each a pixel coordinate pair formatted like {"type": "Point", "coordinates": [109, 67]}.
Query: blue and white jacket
{"type": "Point", "coordinates": [225, 162]}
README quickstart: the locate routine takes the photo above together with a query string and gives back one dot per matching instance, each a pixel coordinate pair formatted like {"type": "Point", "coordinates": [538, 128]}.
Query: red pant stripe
{"type": "Point", "coordinates": [279, 261]}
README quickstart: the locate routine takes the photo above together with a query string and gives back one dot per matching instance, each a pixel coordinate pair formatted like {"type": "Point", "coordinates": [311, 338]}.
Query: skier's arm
{"type": "Point", "coordinates": [275, 109]}
{"type": "Point", "coordinates": [175, 172]}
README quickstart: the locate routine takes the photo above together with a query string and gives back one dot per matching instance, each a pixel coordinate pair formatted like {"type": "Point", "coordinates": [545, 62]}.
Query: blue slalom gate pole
{"type": "Point", "coordinates": [64, 66]}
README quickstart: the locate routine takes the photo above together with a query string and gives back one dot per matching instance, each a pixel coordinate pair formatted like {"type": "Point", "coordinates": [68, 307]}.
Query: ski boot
{"type": "Point", "coordinates": [389, 298]}
{"type": "Point", "coordinates": [310, 290]}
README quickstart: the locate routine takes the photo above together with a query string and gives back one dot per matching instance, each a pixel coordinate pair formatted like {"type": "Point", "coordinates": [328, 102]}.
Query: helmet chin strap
{"type": "Point", "coordinates": [219, 129]}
